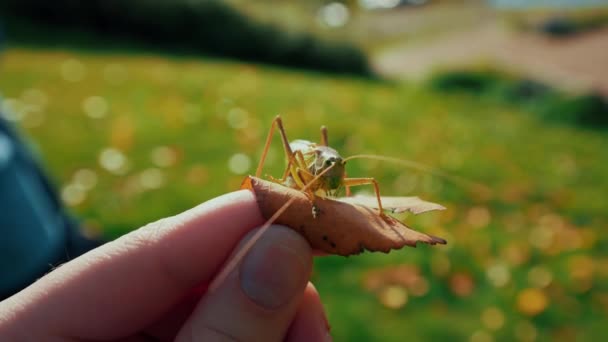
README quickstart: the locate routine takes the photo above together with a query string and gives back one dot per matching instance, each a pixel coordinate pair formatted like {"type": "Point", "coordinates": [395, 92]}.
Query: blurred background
{"type": "Point", "coordinates": [141, 109]}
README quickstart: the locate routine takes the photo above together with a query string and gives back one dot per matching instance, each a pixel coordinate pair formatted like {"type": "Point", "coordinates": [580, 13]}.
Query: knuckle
{"type": "Point", "coordinates": [156, 237]}
{"type": "Point", "coordinates": [149, 234]}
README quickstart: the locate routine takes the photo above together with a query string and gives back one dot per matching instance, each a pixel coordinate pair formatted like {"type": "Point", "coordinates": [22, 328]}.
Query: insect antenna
{"type": "Point", "coordinates": [424, 168]}
{"type": "Point", "coordinates": [247, 246]}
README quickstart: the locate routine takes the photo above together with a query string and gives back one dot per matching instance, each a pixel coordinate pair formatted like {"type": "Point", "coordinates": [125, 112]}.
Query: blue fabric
{"type": "Point", "coordinates": [33, 228]}
{"type": "Point", "coordinates": [36, 233]}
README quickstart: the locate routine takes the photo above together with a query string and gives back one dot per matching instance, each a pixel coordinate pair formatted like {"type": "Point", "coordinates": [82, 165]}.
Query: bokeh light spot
{"type": "Point", "coordinates": [35, 96]}
{"type": "Point", "coordinates": [163, 156]}
{"type": "Point", "coordinates": [239, 164]}
{"type": "Point", "coordinates": [419, 287]}
{"type": "Point", "coordinates": [493, 318]}
{"type": "Point", "coordinates": [72, 70]}
{"type": "Point", "coordinates": [113, 160]}
{"type": "Point", "coordinates": [95, 107]}
{"type": "Point", "coordinates": [85, 178]}
{"type": "Point", "coordinates": [12, 109]}
{"type": "Point", "coordinates": [462, 284]}
{"type": "Point", "coordinates": [238, 118]}
{"type": "Point", "coordinates": [73, 194]}
{"type": "Point", "coordinates": [334, 14]}
{"type": "Point", "coordinates": [380, 4]}
{"type": "Point", "coordinates": [151, 178]}
{"type": "Point", "coordinates": [516, 253]}
{"type": "Point", "coordinates": [532, 301]}
{"type": "Point", "coordinates": [498, 274]}
{"type": "Point", "coordinates": [539, 276]}
{"type": "Point", "coordinates": [553, 221]}
{"type": "Point", "coordinates": [541, 237]}
{"type": "Point", "coordinates": [582, 269]}
{"type": "Point", "coordinates": [393, 297]}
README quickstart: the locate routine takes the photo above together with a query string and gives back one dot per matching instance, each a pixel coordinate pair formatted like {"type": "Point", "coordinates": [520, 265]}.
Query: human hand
{"type": "Point", "coordinates": [152, 284]}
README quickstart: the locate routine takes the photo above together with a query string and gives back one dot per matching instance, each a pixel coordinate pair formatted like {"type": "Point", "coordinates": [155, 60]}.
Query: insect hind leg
{"type": "Point", "coordinates": [277, 122]}
{"type": "Point", "coordinates": [348, 182]}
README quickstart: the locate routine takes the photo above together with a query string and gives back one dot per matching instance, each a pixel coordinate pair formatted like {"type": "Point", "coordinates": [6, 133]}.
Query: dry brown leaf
{"type": "Point", "coordinates": [395, 204]}
{"type": "Point", "coordinates": [339, 227]}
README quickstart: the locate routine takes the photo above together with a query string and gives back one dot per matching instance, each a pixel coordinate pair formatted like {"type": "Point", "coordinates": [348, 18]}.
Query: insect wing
{"type": "Point", "coordinates": [308, 150]}
{"type": "Point", "coordinates": [304, 146]}
{"type": "Point", "coordinates": [396, 205]}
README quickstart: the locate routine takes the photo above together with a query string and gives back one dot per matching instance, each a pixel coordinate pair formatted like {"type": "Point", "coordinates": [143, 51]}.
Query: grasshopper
{"type": "Point", "coordinates": [316, 170]}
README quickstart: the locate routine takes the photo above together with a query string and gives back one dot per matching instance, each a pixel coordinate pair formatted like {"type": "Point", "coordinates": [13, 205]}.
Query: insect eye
{"type": "Point", "coordinates": [328, 162]}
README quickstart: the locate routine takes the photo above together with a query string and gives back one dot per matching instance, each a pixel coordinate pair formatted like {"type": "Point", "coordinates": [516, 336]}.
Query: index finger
{"type": "Point", "coordinates": [127, 284]}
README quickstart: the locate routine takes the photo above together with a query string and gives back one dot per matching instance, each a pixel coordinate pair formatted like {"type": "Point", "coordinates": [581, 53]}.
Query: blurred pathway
{"type": "Point", "coordinates": [576, 63]}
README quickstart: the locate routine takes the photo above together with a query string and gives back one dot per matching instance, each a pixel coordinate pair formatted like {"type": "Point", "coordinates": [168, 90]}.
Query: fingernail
{"type": "Point", "coordinates": [326, 328]}
{"type": "Point", "coordinates": [276, 268]}
{"type": "Point", "coordinates": [322, 330]}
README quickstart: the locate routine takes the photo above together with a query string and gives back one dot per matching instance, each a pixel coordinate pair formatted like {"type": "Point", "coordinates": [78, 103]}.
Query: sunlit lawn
{"type": "Point", "coordinates": [133, 138]}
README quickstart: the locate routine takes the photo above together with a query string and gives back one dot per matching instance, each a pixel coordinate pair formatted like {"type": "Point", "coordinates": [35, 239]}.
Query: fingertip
{"type": "Point", "coordinates": [260, 295]}
{"type": "Point", "coordinates": [310, 323]}
{"type": "Point", "coordinates": [276, 268]}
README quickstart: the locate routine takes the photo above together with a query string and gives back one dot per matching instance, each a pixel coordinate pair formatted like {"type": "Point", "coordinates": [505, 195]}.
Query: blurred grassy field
{"type": "Point", "coordinates": [133, 138]}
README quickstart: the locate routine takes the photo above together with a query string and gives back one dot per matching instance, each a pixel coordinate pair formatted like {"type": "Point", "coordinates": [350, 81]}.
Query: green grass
{"type": "Point", "coordinates": [546, 215]}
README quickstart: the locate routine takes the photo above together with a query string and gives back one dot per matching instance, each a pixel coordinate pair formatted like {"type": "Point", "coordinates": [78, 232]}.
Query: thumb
{"type": "Point", "coordinates": [258, 300]}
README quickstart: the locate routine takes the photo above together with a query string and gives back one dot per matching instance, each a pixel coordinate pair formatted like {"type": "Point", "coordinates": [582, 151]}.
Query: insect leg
{"type": "Point", "coordinates": [276, 122]}
{"type": "Point", "coordinates": [298, 159]}
{"type": "Point", "coordinates": [296, 181]}
{"type": "Point", "coordinates": [347, 187]}
{"type": "Point", "coordinates": [363, 181]}
{"type": "Point", "coordinates": [301, 175]}
{"type": "Point", "coordinates": [324, 140]}
{"type": "Point", "coordinates": [304, 180]}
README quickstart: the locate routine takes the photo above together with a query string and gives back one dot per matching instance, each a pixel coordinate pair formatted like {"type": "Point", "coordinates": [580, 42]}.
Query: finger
{"type": "Point", "coordinates": [259, 298]}
{"type": "Point", "coordinates": [310, 323]}
{"type": "Point", "coordinates": [167, 327]}
{"type": "Point", "coordinates": [128, 284]}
